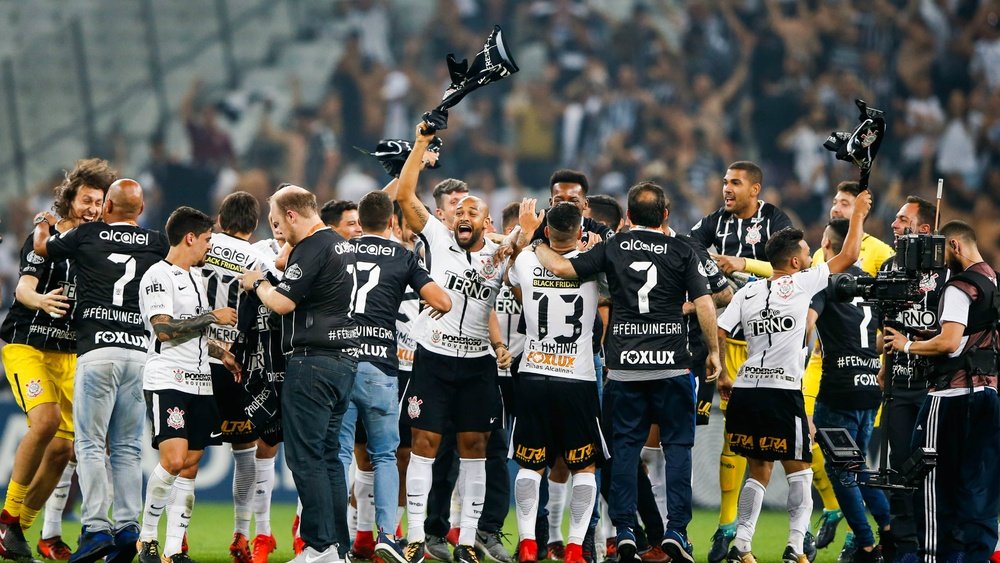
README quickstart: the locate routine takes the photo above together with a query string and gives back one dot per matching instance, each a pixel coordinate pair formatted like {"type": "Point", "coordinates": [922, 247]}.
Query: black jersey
{"type": "Point", "coordinates": [732, 236]}
{"type": "Point", "coordinates": [110, 260]}
{"type": "Point", "coordinates": [37, 328]}
{"type": "Point", "coordinates": [909, 372]}
{"type": "Point", "coordinates": [716, 283]}
{"type": "Point", "coordinates": [847, 333]}
{"type": "Point", "coordinates": [650, 275]}
{"type": "Point", "coordinates": [318, 280]}
{"type": "Point", "coordinates": [383, 272]}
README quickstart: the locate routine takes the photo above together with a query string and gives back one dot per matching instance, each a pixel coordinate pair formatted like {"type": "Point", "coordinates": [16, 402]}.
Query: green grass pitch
{"type": "Point", "coordinates": [211, 531]}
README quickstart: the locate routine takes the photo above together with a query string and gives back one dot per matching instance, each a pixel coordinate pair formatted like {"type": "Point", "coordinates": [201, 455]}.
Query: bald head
{"type": "Point", "coordinates": [471, 215]}
{"type": "Point", "coordinates": [290, 197]}
{"type": "Point", "coordinates": [124, 201]}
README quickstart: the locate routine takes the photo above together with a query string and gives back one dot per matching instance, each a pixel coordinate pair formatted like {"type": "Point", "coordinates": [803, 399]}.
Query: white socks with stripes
{"type": "Point", "coordinates": [244, 475]}
{"type": "Point", "coordinates": [748, 510]}
{"type": "Point", "coordinates": [581, 505]}
{"type": "Point", "coordinates": [526, 486]}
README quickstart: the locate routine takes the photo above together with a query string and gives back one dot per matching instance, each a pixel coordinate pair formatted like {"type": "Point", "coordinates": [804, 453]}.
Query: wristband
{"type": "Point", "coordinates": [257, 283]}
{"type": "Point", "coordinates": [906, 347]}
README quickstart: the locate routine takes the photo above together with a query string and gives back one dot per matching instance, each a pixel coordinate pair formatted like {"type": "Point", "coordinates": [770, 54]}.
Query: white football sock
{"type": "Point", "coordinates": [262, 495]}
{"type": "Point", "coordinates": [656, 469]}
{"type": "Point", "coordinates": [57, 503]}
{"type": "Point", "coordinates": [555, 507]}
{"type": "Point", "coordinates": [800, 505]}
{"type": "Point", "coordinates": [526, 486]}
{"type": "Point", "coordinates": [418, 487]}
{"type": "Point", "coordinates": [581, 506]}
{"type": "Point", "coordinates": [455, 512]}
{"type": "Point", "coordinates": [473, 498]}
{"type": "Point", "coordinates": [364, 494]}
{"type": "Point", "coordinates": [179, 515]}
{"type": "Point", "coordinates": [747, 513]}
{"type": "Point", "coordinates": [244, 475]}
{"type": "Point", "coordinates": [157, 493]}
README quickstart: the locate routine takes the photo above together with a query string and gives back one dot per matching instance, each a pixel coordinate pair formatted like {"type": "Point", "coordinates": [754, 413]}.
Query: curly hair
{"type": "Point", "coordinates": [89, 172]}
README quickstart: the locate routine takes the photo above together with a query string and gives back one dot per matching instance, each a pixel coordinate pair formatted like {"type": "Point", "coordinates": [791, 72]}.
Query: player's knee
{"type": "Point", "coordinates": [173, 464]}
{"type": "Point", "coordinates": [472, 444]}
{"type": "Point", "coordinates": [425, 444]}
{"type": "Point", "coordinates": [44, 421]}
{"type": "Point", "coordinates": [60, 451]}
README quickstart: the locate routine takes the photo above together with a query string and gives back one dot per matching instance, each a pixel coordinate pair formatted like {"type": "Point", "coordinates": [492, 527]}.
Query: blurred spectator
{"type": "Point", "coordinates": [210, 144]}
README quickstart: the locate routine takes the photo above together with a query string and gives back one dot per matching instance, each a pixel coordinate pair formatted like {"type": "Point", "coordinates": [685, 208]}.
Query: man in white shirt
{"type": "Point", "coordinates": [766, 420]}
{"type": "Point", "coordinates": [177, 379]}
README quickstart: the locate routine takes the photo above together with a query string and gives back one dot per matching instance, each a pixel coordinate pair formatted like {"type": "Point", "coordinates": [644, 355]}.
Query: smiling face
{"type": "Point", "coordinates": [470, 221]}
{"type": "Point", "coordinates": [200, 246]}
{"type": "Point", "coordinates": [88, 204]}
{"type": "Point", "coordinates": [907, 218]}
{"type": "Point", "coordinates": [738, 194]}
{"type": "Point", "coordinates": [449, 206]}
{"type": "Point", "coordinates": [349, 226]}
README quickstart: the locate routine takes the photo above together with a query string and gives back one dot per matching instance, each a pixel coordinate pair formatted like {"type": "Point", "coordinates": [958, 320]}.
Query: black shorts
{"type": "Point", "coordinates": [175, 414]}
{"type": "Point", "coordinates": [232, 399]}
{"type": "Point", "coordinates": [556, 417]}
{"type": "Point", "coordinates": [768, 424]}
{"type": "Point", "coordinates": [405, 436]}
{"type": "Point", "coordinates": [458, 394]}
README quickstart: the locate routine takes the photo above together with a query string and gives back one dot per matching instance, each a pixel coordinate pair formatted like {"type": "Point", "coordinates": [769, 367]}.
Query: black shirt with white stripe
{"type": "Point", "coordinates": [744, 238]}
{"type": "Point", "coordinates": [37, 328]}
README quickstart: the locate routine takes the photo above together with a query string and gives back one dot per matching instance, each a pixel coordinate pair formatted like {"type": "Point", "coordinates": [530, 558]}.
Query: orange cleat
{"type": "Point", "coordinates": [262, 547]}
{"type": "Point", "coordinates": [297, 544]}
{"type": "Point", "coordinates": [654, 554]}
{"type": "Point", "coordinates": [54, 548]}
{"type": "Point", "coordinates": [527, 551]}
{"type": "Point", "coordinates": [184, 543]}
{"type": "Point", "coordinates": [240, 549]}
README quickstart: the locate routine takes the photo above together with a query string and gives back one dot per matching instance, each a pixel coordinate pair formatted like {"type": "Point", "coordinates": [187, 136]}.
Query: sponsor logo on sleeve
{"type": "Point", "coordinates": [293, 273]}
{"type": "Point", "coordinates": [34, 258]}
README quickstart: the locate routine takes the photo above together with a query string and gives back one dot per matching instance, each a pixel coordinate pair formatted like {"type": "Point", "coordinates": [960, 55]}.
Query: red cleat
{"type": "Point", "coordinates": [612, 547]}
{"type": "Point", "coordinates": [996, 557]}
{"type": "Point", "coordinates": [655, 554]}
{"type": "Point", "coordinates": [573, 553]}
{"type": "Point", "coordinates": [297, 544]}
{"type": "Point", "coordinates": [452, 536]}
{"type": "Point", "coordinates": [54, 548]}
{"type": "Point", "coordinates": [184, 543]}
{"type": "Point", "coordinates": [262, 547]}
{"type": "Point", "coordinates": [364, 546]}
{"type": "Point", "coordinates": [240, 549]}
{"type": "Point", "coordinates": [527, 551]}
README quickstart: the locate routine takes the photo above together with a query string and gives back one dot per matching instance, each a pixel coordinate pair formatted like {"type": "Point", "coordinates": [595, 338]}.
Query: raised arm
{"type": "Point", "coordinates": [406, 192]}
{"type": "Point", "coordinates": [848, 255]}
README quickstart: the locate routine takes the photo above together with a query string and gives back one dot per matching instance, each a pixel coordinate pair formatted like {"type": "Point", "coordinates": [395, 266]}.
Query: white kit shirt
{"type": "Point", "coordinates": [773, 316]}
{"type": "Point", "coordinates": [559, 320]}
{"type": "Point", "coordinates": [473, 283]}
{"type": "Point", "coordinates": [181, 364]}
{"type": "Point", "coordinates": [225, 262]}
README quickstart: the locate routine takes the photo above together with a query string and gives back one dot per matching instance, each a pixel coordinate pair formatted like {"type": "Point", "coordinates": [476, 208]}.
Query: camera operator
{"type": "Point", "coordinates": [848, 394]}
{"type": "Point", "coordinates": [960, 499]}
{"type": "Point", "coordinates": [909, 383]}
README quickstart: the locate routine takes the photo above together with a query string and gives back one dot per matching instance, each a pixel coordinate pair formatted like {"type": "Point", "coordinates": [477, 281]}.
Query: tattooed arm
{"type": "Point", "coordinates": [219, 351]}
{"type": "Point", "coordinates": [168, 328]}
{"type": "Point", "coordinates": [414, 212]}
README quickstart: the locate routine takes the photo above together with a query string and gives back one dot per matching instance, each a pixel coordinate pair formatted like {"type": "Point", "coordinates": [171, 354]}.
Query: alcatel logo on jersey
{"type": "Point", "coordinates": [636, 244]}
{"type": "Point", "coordinates": [770, 322]}
{"type": "Point", "coordinates": [125, 237]}
{"type": "Point", "coordinates": [231, 254]}
{"type": "Point", "coordinates": [373, 249]}
{"type": "Point", "coordinates": [343, 248]}
{"type": "Point", "coordinates": [633, 357]}
{"type": "Point", "coordinates": [466, 285]}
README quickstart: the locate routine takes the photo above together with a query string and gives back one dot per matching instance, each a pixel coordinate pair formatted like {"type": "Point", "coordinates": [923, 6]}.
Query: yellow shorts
{"type": "Point", "coordinates": [736, 356]}
{"type": "Point", "coordinates": [38, 377]}
{"type": "Point", "coordinates": [810, 381]}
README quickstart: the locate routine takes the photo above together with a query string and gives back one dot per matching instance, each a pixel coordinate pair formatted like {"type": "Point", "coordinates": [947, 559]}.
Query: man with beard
{"type": "Point", "coordinates": [40, 361]}
{"type": "Point", "coordinates": [177, 379]}
{"type": "Point", "coordinates": [453, 385]}
{"type": "Point", "coordinates": [958, 502]}
{"type": "Point", "coordinates": [908, 379]}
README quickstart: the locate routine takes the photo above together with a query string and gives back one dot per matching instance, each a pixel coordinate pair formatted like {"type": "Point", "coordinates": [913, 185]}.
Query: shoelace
{"type": "Point", "coordinates": [501, 536]}
{"type": "Point", "coordinates": [411, 549]}
{"type": "Point", "coordinates": [152, 548]}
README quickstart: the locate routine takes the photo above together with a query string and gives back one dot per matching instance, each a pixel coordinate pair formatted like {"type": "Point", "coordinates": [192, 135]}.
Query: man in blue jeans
{"type": "Point", "coordinates": [385, 271]}
{"type": "Point", "coordinates": [849, 393]}
{"type": "Point", "coordinates": [108, 408]}
{"type": "Point", "coordinates": [650, 276]}
{"type": "Point", "coordinates": [314, 299]}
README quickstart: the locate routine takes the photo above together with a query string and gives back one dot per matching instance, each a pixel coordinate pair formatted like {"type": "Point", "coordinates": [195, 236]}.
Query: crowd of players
{"type": "Point", "coordinates": [425, 349]}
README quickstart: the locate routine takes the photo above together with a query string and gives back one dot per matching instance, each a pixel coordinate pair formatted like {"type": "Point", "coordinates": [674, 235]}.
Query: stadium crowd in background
{"type": "Point", "coordinates": [661, 110]}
